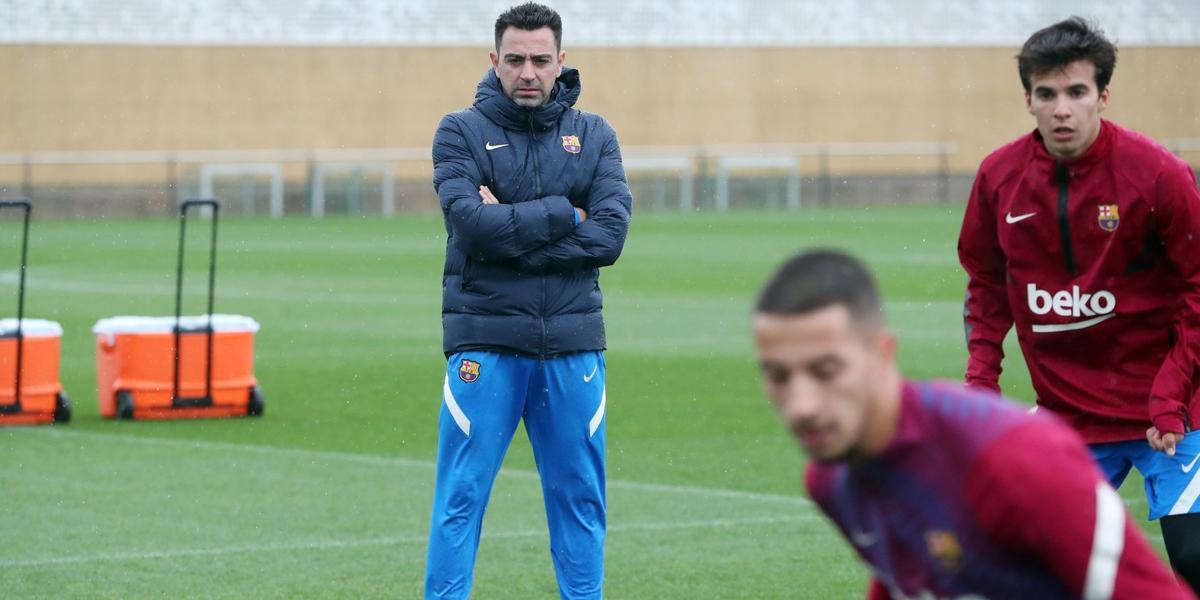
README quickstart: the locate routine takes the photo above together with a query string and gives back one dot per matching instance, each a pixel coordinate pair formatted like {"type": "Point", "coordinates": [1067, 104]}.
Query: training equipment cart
{"type": "Point", "coordinates": [29, 355]}
{"type": "Point", "coordinates": [178, 367]}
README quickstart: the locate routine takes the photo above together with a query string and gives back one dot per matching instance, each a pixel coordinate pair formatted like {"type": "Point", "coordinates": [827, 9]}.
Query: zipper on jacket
{"type": "Point", "coordinates": [537, 168]}
{"type": "Point", "coordinates": [1064, 223]}
{"type": "Point", "coordinates": [537, 186]}
{"type": "Point", "coordinates": [542, 319]}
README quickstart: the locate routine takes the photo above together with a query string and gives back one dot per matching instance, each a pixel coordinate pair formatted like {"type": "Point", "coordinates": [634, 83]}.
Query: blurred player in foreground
{"type": "Point", "coordinates": [944, 492]}
{"type": "Point", "coordinates": [1086, 236]}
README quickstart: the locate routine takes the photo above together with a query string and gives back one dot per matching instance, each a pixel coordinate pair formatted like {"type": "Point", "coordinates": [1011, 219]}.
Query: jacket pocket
{"type": "Point", "coordinates": [464, 276]}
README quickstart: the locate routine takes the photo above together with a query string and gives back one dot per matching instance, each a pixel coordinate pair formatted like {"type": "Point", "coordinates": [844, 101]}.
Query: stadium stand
{"type": "Point", "coordinates": [122, 107]}
{"type": "Point", "coordinates": [617, 23]}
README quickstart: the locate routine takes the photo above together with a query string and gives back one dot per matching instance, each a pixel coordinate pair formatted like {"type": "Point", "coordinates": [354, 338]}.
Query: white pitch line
{"type": "Point", "coordinates": [387, 461]}
{"type": "Point", "coordinates": [388, 541]}
{"type": "Point", "coordinates": [309, 296]}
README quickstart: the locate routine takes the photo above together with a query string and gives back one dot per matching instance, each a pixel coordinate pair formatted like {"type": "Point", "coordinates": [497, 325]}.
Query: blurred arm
{"type": "Point", "coordinates": [987, 316]}
{"type": "Point", "coordinates": [1178, 209]}
{"type": "Point", "coordinates": [1037, 491]}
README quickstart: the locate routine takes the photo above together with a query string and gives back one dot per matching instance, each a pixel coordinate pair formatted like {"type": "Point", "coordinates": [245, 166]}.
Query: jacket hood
{"type": "Point", "coordinates": [501, 110]}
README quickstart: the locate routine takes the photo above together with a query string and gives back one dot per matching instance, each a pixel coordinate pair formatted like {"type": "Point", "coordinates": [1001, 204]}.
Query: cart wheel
{"type": "Point", "coordinates": [255, 407]}
{"type": "Point", "coordinates": [124, 404]}
{"type": "Point", "coordinates": [62, 408]}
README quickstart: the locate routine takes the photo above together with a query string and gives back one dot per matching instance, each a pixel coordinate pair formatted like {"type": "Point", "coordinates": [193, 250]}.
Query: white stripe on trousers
{"type": "Point", "coordinates": [1108, 543]}
{"type": "Point", "coordinates": [459, 417]}
{"type": "Point", "coordinates": [594, 424]}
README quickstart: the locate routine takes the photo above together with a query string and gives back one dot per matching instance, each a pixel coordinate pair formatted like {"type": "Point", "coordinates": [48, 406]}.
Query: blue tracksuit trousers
{"type": "Point", "coordinates": [562, 399]}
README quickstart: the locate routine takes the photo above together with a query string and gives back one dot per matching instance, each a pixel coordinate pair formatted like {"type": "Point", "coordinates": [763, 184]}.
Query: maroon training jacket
{"type": "Point", "coordinates": [1097, 263]}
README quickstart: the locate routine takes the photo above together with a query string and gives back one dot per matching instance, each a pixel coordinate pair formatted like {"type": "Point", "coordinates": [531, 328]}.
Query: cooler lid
{"type": "Point", "coordinates": [30, 328]}
{"type": "Point", "coordinates": [128, 324]}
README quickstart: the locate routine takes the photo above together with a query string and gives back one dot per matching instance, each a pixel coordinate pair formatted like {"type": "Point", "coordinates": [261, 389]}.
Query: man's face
{"type": "Point", "coordinates": [823, 376]}
{"type": "Point", "coordinates": [1067, 107]}
{"type": "Point", "coordinates": [527, 64]}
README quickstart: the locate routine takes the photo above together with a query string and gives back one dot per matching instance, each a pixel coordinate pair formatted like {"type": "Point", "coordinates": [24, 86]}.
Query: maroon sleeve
{"type": "Point", "coordinates": [986, 315]}
{"type": "Point", "coordinates": [876, 591]}
{"type": "Point", "coordinates": [1037, 491]}
{"type": "Point", "coordinates": [816, 481]}
{"type": "Point", "coordinates": [1178, 216]}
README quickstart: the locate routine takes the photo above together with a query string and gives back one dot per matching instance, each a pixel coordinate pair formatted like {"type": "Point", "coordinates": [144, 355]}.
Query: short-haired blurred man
{"type": "Point", "coordinates": [535, 203]}
{"type": "Point", "coordinates": [1086, 236]}
{"type": "Point", "coordinates": [944, 492]}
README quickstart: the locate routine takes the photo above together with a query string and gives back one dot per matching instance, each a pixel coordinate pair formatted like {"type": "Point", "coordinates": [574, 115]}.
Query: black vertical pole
{"type": "Point", "coordinates": [212, 274]}
{"type": "Point", "coordinates": [212, 281]}
{"type": "Point", "coordinates": [25, 205]}
{"type": "Point", "coordinates": [178, 300]}
{"type": "Point", "coordinates": [21, 300]}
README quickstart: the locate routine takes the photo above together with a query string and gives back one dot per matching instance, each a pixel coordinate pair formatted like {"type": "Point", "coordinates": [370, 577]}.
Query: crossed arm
{"type": "Point", "coordinates": [488, 197]}
{"type": "Point", "coordinates": [541, 235]}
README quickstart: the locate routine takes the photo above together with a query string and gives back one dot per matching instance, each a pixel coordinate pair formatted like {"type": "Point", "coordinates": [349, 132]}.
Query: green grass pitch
{"type": "Point", "coordinates": [328, 495]}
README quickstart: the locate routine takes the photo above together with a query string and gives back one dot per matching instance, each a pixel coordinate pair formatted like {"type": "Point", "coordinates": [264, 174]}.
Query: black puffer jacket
{"type": "Point", "coordinates": [522, 276]}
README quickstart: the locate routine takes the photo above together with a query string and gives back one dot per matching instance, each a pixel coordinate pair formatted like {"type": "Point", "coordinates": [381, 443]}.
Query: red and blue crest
{"type": "Point", "coordinates": [1109, 217]}
{"type": "Point", "coordinates": [572, 144]}
{"type": "Point", "coordinates": [943, 546]}
{"type": "Point", "coordinates": [469, 371]}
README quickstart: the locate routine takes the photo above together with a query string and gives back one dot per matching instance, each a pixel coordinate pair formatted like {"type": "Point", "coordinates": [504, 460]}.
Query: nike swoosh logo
{"type": "Point", "coordinates": [864, 539]}
{"type": "Point", "coordinates": [489, 146]}
{"type": "Point", "coordinates": [588, 378]}
{"type": "Point", "coordinates": [1010, 219]}
{"type": "Point", "coordinates": [1188, 468]}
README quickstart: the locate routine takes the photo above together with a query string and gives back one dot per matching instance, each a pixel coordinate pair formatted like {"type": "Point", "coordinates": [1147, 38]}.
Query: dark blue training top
{"type": "Point", "coordinates": [522, 276]}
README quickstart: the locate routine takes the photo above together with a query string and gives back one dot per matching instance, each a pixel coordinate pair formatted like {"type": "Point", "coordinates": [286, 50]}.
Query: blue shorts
{"type": "Point", "coordinates": [1172, 482]}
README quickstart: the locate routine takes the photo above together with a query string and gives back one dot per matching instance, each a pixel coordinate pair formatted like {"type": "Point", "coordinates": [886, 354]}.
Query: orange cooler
{"type": "Point", "coordinates": [42, 399]}
{"type": "Point", "coordinates": [135, 362]}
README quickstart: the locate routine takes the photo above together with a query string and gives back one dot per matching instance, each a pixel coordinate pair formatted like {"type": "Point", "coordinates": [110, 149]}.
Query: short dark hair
{"type": "Point", "coordinates": [1063, 43]}
{"type": "Point", "coordinates": [530, 16]}
{"type": "Point", "coordinates": [820, 278]}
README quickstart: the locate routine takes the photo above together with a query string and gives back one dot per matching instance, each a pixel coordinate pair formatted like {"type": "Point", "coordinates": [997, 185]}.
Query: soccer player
{"type": "Point", "coordinates": [535, 203]}
{"type": "Point", "coordinates": [1086, 236]}
{"type": "Point", "coordinates": [943, 491]}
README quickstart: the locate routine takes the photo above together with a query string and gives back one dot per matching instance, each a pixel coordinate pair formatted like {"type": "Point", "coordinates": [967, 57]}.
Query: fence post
{"type": "Point", "coordinates": [27, 178]}
{"type": "Point", "coordinates": [943, 176]}
{"type": "Point", "coordinates": [826, 177]}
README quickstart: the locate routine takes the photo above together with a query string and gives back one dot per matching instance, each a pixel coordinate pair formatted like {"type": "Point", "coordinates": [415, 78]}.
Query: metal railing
{"type": "Point", "coordinates": [297, 181]}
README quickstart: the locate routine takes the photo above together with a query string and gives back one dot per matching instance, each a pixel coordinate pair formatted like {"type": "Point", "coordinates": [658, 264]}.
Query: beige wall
{"type": "Point", "coordinates": [163, 98]}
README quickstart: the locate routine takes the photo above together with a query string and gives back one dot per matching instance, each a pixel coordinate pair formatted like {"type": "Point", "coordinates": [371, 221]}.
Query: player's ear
{"type": "Point", "coordinates": [495, 59]}
{"type": "Point", "coordinates": [885, 346]}
{"type": "Point", "coordinates": [562, 60]}
{"type": "Point", "coordinates": [1028, 103]}
{"type": "Point", "coordinates": [1103, 102]}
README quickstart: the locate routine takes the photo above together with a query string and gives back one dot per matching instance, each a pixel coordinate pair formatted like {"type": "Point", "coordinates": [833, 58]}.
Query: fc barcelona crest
{"type": "Point", "coordinates": [1109, 217]}
{"type": "Point", "coordinates": [571, 144]}
{"type": "Point", "coordinates": [943, 546]}
{"type": "Point", "coordinates": [469, 371]}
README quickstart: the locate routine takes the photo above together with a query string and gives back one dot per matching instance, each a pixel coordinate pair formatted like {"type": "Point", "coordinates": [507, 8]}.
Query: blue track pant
{"type": "Point", "coordinates": [562, 402]}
